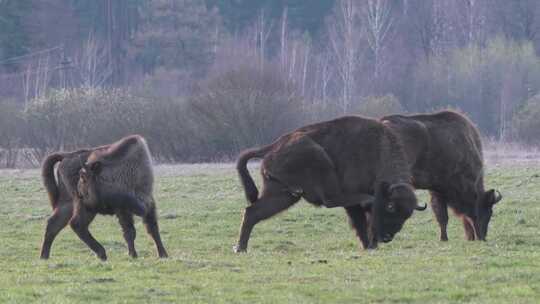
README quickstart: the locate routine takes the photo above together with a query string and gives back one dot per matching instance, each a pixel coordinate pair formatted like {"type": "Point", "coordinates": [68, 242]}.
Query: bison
{"type": "Point", "coordinates": [337, 163]}
{"type": "Point", "coordinates": [445, 153]}
{"type": "Point", "coordinates": [116, 179]}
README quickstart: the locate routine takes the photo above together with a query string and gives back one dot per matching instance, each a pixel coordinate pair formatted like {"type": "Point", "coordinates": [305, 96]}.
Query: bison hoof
{"type": "Point", "coordinates": [238, 249]}
{"type": "Point", "coordinates": [372, 245]}
{"type": "Point", "coordinates": [102, 256]}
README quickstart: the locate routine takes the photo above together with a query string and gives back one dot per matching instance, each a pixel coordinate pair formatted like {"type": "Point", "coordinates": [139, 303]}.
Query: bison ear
{"type": "Point", "coordinates": [492, 197]}
{"type": "Point", "coordinates": [382, 190]}
{"type": "Point", "coordinates": [95, 167]}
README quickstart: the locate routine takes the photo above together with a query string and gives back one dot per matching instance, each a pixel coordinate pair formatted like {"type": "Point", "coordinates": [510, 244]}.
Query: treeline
{"type": "Point", "coordinates": [204, 79]}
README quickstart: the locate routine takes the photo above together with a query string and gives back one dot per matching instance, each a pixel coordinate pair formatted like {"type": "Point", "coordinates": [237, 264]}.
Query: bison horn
{"type": "Point", "coordinates": [421, 208]}
{"type": "Point", "coordinates": [498, 196]}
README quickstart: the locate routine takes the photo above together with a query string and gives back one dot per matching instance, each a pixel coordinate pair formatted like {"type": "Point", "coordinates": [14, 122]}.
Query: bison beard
{"type": "Point", "coordinates": [338, 163]}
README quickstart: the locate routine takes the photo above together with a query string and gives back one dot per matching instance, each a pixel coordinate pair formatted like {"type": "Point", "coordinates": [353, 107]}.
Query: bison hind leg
{"type": "Point", "coordinates": [440, 209]}
{"type": "Point", "coordinates": [323, 187]}
{"type": "Point", "coordinates": [56, 222]}
{"type": "Point", "coordinates": [305, 168]}
{"type": "Point", "coordinates": [272, 201]}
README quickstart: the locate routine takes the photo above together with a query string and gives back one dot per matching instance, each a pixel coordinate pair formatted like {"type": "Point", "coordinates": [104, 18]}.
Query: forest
{"type": "Point", "coordinates": [202, 80]}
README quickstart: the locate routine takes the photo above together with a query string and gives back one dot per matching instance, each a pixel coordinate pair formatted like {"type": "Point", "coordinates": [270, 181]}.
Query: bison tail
{"type": "Point", "coordinates": [250, 188]}
{"type": "Point", "coordinates": [49, 181]}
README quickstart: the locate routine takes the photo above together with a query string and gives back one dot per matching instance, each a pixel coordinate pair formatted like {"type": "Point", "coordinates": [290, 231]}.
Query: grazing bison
{"type": "Point", "coordinates": [445, 153]}
{"type": "Point", "coordinates": [335, 163]}
{"type": "Point", "coordinates": [114, 179]}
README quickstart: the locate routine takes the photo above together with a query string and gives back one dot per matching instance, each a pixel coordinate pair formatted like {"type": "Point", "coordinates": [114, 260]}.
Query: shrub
{"type": "Point", "coordinates": [69, 119]}
{"type": "Point", "coordinates": [487, 82]}
{"type": "Point", "coordinates": [11, 129]}
{"type": "Point", "coordinates": [526, 121]}
{"type": "Point", "coordinates": [245, 107]}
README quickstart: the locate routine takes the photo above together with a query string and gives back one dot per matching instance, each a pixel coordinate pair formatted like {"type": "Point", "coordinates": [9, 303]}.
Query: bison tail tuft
{"type": "Point", "coordinates": [49, 180]}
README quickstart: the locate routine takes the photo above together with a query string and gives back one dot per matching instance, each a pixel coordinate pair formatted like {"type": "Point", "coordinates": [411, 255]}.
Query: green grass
{"type": "Point", "coordinates": [304, 255]}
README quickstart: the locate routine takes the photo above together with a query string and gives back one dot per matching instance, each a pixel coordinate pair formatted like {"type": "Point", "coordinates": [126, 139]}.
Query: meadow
{"type": "Point", "coordinates": [304, 255]}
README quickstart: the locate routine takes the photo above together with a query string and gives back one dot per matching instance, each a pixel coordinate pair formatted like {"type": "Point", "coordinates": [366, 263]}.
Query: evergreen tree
{"type": "Point", "coordinates": [175, 34]}
{"type": "Point", "coordinates": [14, 39]}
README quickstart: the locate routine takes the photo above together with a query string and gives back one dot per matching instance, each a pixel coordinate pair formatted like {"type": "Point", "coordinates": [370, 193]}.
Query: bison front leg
{"type": "Point", "coordinates": [56, 222]}
{"type": "Point", "coordinates": [359, 222]}
{"type": "Point", "coordinates": [440, 209]}
{"type": "Point", "coordinates": [126, 222]}
{"type": "Point", "coordinates": [470, 234]}
{"type": "Point", "coordinates": [79, 223]}
{"type": "Point", "coordinates": [272, 201]}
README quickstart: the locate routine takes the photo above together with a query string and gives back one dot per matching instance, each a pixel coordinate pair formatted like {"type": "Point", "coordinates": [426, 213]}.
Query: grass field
{"type": "Point", "coordinates": [305, 255]}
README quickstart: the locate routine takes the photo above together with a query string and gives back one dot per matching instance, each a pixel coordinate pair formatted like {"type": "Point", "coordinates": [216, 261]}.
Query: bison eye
{"type": "Point", "coordinates": [391, 207]}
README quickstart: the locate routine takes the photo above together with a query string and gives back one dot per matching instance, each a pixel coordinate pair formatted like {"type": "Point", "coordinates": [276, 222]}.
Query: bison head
{"type": "Point", "coordinates": [87, 176]}
{"type": "Point", "coordinates": [484, 211]}
{"type": "Point", "coordinates": [393, 205]}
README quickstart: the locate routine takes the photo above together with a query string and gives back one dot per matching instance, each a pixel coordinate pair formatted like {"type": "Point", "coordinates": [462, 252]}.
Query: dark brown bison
{"type": "Point", "coordinates": [445, 153]}
{"type": "Point", "coordinates": [114, 179]}
{"type": "Point", "coordinates": [335, 163]}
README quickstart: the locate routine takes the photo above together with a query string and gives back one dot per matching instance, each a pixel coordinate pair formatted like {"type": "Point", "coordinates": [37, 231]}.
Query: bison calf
{"type": "Point", "coordinates": [115, 180]}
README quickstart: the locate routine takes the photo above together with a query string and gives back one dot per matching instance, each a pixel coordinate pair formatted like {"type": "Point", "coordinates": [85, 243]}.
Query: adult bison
{"type": "Point", "coordinates": [445, 153]}
{"type": "Point", "coordinates": [114, 179]}
{"type": "Point", "coordinates": [334, 163]}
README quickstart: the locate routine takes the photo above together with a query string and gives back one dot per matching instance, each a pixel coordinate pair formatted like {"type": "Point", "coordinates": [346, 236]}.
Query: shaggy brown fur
{"type": "Point", "coordinates": [445, 153]}
{"type": "Point", "coordinates": [114, 179]}
{"type": "Point", "coordinates": [333, 164]}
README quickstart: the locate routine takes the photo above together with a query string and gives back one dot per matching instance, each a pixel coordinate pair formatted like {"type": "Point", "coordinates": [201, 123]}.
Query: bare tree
{"type": "Point", "coordinates": [474, 27]}
{"type": "Point", "coordinates": [305, 64]}
{"type": "Point", "coordinates": [283, 40]}
{"type": "Point", "coordinates": [325, 73]}
{"type": "Point", "coordinates": [379, 18]}
{"type": "Point", "coordinates": [37, 77]}
{"type": "Point", "coordinates": [263, 28]}
{"type": "Point", "coordinates": [345, 34]}
{"type": "Point", "coordinates": [92, 63]}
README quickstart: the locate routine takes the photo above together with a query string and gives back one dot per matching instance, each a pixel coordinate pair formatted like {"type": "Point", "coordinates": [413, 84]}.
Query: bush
{"type": "Point", "coordinates": [245, 107]}
{"type": "Point", "coordinates": [377, 107]}
{"type": "Point", "coordinates": [526, 122]}
{"type": "Point", "coordinates": [69, 119]}
{"type": "Point", "coordinates": [11, 130]}
{"type": "Point", "coordinates": [76, 118]}
{"type": "Point", "coordinates": [487, 82]}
